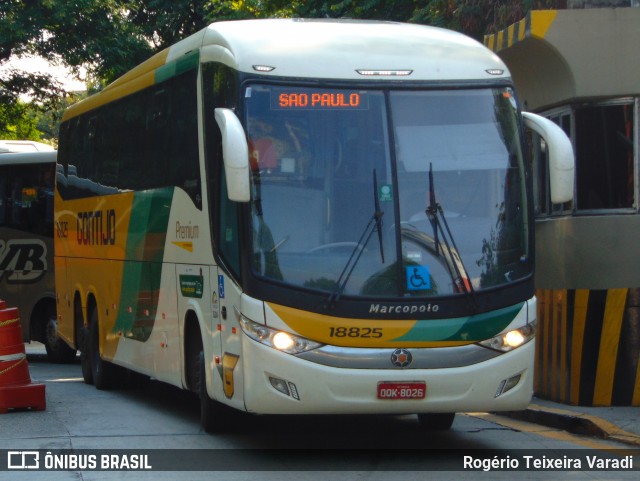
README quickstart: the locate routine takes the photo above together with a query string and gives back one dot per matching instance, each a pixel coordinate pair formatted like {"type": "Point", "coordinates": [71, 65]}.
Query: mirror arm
{"type": "Point", "coordinates": [560, 156]}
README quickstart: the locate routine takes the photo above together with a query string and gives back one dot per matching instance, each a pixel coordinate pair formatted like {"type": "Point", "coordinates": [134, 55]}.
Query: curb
{"type": "Point", "coordinates": [575, 423]}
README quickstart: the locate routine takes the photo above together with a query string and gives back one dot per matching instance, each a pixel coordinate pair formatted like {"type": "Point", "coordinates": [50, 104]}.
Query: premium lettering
{"type": "Point", "coordinates": [187, 231]}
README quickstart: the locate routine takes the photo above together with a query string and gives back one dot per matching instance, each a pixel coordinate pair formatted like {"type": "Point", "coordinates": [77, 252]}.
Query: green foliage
{"type": "Point", "coordinates": [472, 17]}
{"type": "Point", "coordinates": [397, 10]}
{"type": "Point", "coordinates": [16, 123]}
{"type": "Point", "coordinates": [106, 38]}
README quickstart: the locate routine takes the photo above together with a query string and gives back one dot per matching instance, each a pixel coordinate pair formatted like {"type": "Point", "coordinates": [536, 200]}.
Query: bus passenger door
{"type": "Point", "coordinates": [195, 296]}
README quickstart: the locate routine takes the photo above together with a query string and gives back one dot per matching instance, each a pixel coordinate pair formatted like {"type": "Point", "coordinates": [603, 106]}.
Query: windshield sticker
{"type": "Point", "coordinates": [385, 193]}
{"type": "Point", "coordinates": [418, 278]}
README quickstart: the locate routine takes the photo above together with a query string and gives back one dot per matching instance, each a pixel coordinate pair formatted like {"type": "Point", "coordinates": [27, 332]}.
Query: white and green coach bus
{"type": "Point", "coordinates": [306, 216]}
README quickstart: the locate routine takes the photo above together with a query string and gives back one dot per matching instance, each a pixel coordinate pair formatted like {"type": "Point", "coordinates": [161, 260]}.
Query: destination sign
{"type": "Point", "coordinates": [299, 99]}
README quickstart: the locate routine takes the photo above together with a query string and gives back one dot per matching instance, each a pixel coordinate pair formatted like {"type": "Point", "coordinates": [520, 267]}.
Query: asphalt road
{"type": "Point", "coordinates": [160, 417]}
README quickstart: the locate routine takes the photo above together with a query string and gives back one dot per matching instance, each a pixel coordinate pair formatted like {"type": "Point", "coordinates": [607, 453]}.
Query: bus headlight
{"type": "Point", "coordinates": [508, 341]}
{"type": "Point", "coordinates": [280, 340]}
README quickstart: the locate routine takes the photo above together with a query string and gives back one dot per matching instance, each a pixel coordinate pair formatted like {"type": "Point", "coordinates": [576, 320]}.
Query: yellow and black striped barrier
{"type": "Point", "coordinates": [587, 347]}
{"type": "Point", "coordinates": [534, 25]}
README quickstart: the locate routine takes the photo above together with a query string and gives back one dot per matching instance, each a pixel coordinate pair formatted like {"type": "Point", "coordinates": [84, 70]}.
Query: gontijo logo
{"type": "Point", "coordinates": [96, 227]}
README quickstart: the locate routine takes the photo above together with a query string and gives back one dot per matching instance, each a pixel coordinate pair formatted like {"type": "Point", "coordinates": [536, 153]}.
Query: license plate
{"type": "Point", "coordinates": [402, 390]}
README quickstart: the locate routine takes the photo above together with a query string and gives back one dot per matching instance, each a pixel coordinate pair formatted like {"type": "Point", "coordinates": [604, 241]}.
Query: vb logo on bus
{"type": "Point", "coordinates": [22, 260]}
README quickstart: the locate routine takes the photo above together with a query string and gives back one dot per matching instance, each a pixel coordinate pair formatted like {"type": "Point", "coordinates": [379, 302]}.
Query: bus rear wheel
{"type": "Point", "coordinates": [85, 357]}
{"type": "Point", "coordinates": [436, 421]}
{"type": "Point", "coordinates": [57, 349]}
{"type": "Point", "coordinates": [103, 373]}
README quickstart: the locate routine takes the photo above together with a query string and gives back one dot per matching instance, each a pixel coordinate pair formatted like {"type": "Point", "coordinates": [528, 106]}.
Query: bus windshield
{"type": "Point", "coordinates": [387, 193]}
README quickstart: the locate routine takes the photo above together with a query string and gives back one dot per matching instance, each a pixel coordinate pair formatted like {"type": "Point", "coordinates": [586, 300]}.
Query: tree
{"type": "Point", "coordinates": [472, 17]}
{"type": "Point", "coordinates": [396, 10]}
{"type": "Point", "coordinates": [109, 37]}
{"type": "Point", "coordinates": [16, 123]}
{"type": "Point", "coordinates": [100, 38]}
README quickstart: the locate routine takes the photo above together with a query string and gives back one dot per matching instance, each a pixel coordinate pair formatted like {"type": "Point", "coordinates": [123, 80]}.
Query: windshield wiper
{"type": "Point", "coordinates": [374, 223]}
{"type": "Point", "coordinates": [377, 215]}
{"type": "Point", "coordinates": [453, 261]}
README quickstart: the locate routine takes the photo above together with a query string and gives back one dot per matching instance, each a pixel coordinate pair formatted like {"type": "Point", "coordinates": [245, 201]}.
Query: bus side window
{"type": "Point", "coordinates": [156, 138]}
{"type": "Point", "coordinates": [15, 201]}
{"type": "Point", "coordinates": [219, 86]}
{"type": "Point", "coordinates": [45, 198]}
{"type": "Point", "coordinates": [3, 196]}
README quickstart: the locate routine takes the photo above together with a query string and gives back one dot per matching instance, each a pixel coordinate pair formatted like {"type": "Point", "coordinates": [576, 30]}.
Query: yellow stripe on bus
{"type": "Point", "coordinates": [141, 77]}
{"type": "Point", "coordinates": [91, 258]}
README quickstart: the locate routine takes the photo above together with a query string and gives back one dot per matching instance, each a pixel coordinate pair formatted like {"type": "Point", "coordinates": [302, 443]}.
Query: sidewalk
{"type": "Point", "coordinates": [616, 423]}
{"type": "Point", "coordinates": [619, 423]}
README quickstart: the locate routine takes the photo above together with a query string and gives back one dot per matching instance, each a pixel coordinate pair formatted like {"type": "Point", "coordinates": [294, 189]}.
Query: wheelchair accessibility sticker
{"type": "Point", "coordinates": [418, 278]}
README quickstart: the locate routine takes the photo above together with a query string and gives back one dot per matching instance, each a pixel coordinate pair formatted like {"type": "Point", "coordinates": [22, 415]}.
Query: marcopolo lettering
{"type": "Point", "coordinates": [23, 260]}
{"type": "Point", "coordinates": [96, 228]}
{"type": "Point", "coordinates": [402, 308]}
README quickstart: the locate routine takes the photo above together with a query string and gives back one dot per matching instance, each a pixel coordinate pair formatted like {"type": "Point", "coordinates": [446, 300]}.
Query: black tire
{"type": "Point", "coordinates": [104, 374]}
{"type": "Point", "coordinates": [82, 342]}
{"type": "Point", "coordinates": [436, 421]}
{"type": "Point", "coordinates": [85, 355]}
{"type": "Point", "coordinates": [57, 350]}
{"type": "Point", "coordinates": [215, 417]}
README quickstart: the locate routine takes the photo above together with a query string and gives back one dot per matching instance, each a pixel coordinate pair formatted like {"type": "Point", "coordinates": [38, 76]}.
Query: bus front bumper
{"type": "Point", "coordinates": [279, 383]}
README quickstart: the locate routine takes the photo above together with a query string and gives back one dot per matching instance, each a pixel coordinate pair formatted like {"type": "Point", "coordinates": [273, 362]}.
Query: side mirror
{"type": "Point", "coordinates": [559, 153]}
{"type": "Point", "coordinates": [235, 153]}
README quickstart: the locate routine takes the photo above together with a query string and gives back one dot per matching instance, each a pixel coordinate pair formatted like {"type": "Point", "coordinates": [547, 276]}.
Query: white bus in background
{"type": "Point", "coordinates": [26, 246]}
{"type": "Point", "coordinates": [306, 216]}
{"type": "Point", "coordinates": [7, 146]}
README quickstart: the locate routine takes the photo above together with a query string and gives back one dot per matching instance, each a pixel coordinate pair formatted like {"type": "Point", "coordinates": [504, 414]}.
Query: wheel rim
{"type": "Point", "coordinates": [51, 331]}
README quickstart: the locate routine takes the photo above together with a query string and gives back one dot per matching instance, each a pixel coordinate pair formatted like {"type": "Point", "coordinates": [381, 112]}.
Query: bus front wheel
{"type": "Point", "coordinates": [214, 416]}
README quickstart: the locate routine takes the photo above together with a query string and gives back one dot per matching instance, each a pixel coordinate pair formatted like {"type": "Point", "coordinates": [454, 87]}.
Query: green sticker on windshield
{"type": "Point", "coordinates": [385, 193]}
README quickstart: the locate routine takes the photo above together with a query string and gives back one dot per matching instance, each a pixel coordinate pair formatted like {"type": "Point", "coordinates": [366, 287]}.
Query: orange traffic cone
{"type": "Point", "coordinates": [16, 388]}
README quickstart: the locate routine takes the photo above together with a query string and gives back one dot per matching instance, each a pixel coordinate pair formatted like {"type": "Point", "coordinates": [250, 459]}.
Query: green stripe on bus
{"type": "Point", "coordinates": [470, 328]}
{"type": "Point", "coordinates": [143, 265]}
{"type": "Point", "coordinates": [183, 64]}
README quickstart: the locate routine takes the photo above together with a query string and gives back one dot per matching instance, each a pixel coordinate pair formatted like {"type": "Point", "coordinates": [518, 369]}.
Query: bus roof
{"type": "Point", "coordinates": [316, 49]}
{"type": "Point", "coordinates": [338, 49]}
{"type": "Point", "coordinates": [7, 146]}
{"type": "Point", "coordinates": [23, 158]}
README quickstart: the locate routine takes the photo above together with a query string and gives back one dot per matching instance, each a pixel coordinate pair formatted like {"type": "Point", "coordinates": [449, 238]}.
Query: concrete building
{"type": "Point", "coordinates": [580, 66]}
